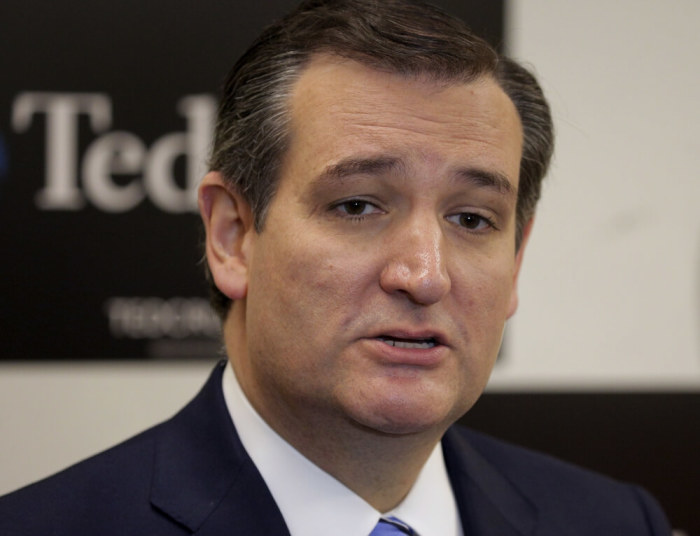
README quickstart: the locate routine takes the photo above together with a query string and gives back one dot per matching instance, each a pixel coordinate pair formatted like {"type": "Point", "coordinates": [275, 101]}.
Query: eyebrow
{"type": "Point", "coordinates": [379, 165]}
{"type": "Point", "coordinates": [488, 179]}
{"type": "Point", "coordinates": [360, 166]}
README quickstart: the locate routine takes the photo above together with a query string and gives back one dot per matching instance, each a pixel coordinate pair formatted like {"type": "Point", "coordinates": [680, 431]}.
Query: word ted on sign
{"type": "Point", "coordinates": [72, 180]}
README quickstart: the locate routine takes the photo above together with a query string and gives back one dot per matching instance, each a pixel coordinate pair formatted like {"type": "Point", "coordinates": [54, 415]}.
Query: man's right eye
{"type": "Point", "coordinates": [356, 207]}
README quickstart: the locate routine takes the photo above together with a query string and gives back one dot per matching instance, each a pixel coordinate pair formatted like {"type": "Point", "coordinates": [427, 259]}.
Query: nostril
{"type": "Point", "coordinates": [415, 272]}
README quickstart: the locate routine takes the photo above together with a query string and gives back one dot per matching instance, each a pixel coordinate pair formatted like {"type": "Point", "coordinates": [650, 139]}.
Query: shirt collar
{"type": "Point", "coordinates": [296, 483]}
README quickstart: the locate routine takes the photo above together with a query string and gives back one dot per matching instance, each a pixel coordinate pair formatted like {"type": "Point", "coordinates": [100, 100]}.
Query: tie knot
{"type": "Point", "coordinates": [391, 526]}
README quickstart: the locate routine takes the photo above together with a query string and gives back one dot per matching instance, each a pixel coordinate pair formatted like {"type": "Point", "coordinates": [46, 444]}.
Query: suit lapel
{"type": "Point", "coordinates": [246, 509]}
{"type": "Point", "coordinates": [203, 478]}
{"type": "Point", "coordinates": [487, 501]}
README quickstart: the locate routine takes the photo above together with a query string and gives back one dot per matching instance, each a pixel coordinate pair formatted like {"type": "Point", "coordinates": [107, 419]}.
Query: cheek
{"type": "Point", "coordinates": [482, 293]}
{"type": "Point", "coordinates": [485, 281]}
{"type": "Point", "coordinates": [311, 282]}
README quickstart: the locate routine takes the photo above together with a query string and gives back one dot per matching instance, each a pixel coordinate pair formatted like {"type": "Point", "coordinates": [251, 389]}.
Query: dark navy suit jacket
{"type": "Point", "coordinates": [191, 475]}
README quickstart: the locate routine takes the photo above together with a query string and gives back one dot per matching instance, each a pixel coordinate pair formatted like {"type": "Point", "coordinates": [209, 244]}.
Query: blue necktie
{"type": "Point", "coordinates": [391, 526]}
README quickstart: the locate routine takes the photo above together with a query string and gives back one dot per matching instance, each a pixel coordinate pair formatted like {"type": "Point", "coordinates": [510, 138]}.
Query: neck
{"type": "Point", "coordinates": [380, 468]}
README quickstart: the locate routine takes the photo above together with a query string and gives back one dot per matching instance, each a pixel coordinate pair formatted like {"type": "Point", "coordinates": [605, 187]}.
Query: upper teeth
{"type": "Point", "coordinates": [409, 344]}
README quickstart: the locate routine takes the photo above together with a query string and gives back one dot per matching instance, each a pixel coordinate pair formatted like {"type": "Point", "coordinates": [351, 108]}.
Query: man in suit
{"type": "Point", "coordinates": [374, 177]}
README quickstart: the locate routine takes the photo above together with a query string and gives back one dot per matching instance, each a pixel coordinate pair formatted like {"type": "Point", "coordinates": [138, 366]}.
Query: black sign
{"type": "Point", "coordinates": [106, 110]}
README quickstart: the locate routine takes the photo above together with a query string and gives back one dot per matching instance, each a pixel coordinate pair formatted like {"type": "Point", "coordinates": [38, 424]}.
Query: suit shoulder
{"type": "Point", "coordinates": [527, 467]}
{"type": "Point", "coordinates": [106, 485]}
{"type": "Point", "coordinates": [112, 493]}
{"type": "Point", "coordinates": [522, 461]}
{"type": "Point", "coordinates": [561, 489]}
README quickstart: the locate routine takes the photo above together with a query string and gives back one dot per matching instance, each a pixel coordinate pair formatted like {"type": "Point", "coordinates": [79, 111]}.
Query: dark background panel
{"type": "Point", "coordinates": [649, 439]}
{"type": "Point", "coordinates": [64, 270]}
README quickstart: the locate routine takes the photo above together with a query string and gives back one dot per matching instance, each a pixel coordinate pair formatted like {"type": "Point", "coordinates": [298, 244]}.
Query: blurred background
{"type": "Point", "coordinates": [105, 114]}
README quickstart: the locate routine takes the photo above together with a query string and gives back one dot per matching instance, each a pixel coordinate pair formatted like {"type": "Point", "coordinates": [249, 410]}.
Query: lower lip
{"type": "Point", "coordinates": [414, 357]}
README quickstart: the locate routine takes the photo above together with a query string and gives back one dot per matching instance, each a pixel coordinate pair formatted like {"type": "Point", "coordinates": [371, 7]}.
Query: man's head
{"type": "Point", "coordinates": [372, 251]}
{"type": "Point", "coordinates": [413, 40]}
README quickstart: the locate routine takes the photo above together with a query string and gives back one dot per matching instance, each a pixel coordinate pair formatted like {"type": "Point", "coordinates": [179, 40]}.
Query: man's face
{"type": "Point", "coordinates": [379, 287]}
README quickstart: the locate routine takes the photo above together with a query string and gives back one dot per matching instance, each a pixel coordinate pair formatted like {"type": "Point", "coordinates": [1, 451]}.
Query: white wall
{"type": "Point", "coordinates": [610, 290]}
{"type": "Point", "coordinates": [610, 293]}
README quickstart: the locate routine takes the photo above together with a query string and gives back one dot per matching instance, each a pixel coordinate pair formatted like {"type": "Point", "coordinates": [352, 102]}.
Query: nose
{"type": "Point", "coordinates": [415, 262]}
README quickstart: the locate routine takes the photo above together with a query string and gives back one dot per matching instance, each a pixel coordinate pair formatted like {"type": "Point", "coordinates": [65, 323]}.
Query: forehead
{"type": "Point", "coordinates": [341, 108]}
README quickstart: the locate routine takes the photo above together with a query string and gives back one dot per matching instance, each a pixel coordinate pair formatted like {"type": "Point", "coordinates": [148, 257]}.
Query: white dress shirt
{"type": "Point", "coordinates": [313, 503]}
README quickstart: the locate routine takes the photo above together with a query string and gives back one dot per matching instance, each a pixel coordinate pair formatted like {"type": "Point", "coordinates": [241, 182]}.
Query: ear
{"type": "Point", "coordinates": [513, 306]}
{"type": "Point", "coordinates": [228, 222]}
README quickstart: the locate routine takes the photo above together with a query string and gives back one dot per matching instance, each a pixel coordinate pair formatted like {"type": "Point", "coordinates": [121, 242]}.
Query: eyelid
{"type": "Point", "coordinates": [337, 206]}
{"type": "Point", "coordinates": [489, 221]}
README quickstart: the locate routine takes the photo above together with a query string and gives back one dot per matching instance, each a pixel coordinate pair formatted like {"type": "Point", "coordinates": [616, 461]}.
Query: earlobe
{"type": "Point", "coordinates": [228, 223]}
{"type": "Point", "coordinates": [513, 306]}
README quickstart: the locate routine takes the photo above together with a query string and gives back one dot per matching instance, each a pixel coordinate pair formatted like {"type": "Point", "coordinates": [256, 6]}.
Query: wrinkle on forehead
{"type": "Point", "coordinates": [422, 109]}
{"type": "Point", "coordinates": [382, 164]}
{"type": "Point", "coordinates": [366, 109]}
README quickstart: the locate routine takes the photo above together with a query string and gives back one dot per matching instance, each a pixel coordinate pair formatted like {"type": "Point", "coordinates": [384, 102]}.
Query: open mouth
{"type": "Point", "coordinates": [419, 344]}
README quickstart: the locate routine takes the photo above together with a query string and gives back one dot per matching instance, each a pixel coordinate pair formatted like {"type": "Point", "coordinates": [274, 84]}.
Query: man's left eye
{"type": "Point", "coordinates": [471, 221]}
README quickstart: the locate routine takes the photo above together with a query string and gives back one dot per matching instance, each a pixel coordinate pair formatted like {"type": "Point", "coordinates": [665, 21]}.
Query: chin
{"type": "Point", "coordinates": [406, 418]}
